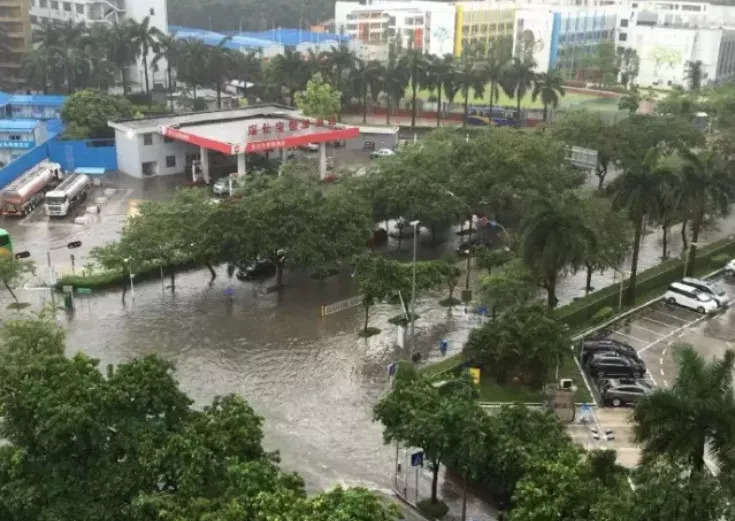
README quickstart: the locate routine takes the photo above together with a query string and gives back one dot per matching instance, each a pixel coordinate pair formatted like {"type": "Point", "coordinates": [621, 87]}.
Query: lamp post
{"type": "Point", "coordinates": [130, 274]}
{"type": "Point", "coordinates": [415, 225]}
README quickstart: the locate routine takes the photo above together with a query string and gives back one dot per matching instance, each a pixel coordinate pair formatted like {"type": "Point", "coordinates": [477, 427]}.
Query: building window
{"type": "Point", "coordinates": [167, 139]}
{"type": "Point", "coordinates": [623, 22]}
{"type": "Point", "coordinates": [170, 161]}
{"type": "Point", "coordinates": [147, 139]}
{"type": "Point", "coordinates": [55, 5]}
{"type": "Point", "coordinates": [80, 8]}
{"type": "Point", "coordinates": [623, 37]}
{"type": "Point", "coordinates": [34, 20]}
{"type": "Point", "coordinates": [43, 3]}
{"type": "Point", "coordinates": [14, 137]}
{"type": "Point", "coordinates": [152, 12]}
{"type": "Point", "coordinates": [67, 7]}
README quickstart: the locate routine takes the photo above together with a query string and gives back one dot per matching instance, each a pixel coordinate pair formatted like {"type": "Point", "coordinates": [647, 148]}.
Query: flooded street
{"type": "Point", "coordinates": [312, 379]}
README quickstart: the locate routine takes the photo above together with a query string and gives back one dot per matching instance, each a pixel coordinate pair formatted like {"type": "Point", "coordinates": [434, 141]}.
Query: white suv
{"type": "Point", "coordinates": [713, 289]}
{"type": "Point", "coordinates": [690, 297]}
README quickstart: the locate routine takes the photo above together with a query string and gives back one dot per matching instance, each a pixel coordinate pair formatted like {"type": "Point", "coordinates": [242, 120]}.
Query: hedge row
{"type": "Point", "coordinates": [111, 278]}
{"type": "Point", "coordinates": [658, 277]}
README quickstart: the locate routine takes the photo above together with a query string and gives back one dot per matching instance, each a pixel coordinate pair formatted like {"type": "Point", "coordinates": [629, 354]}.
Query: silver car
{"type": "Point", "coordinates": [711, 288]}
{"type": "Point", "coordinates": [620, 391]}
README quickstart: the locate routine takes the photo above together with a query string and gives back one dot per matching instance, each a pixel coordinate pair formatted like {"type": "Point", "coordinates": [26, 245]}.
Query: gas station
{"type": "Point", "coordinates": [172, 144]}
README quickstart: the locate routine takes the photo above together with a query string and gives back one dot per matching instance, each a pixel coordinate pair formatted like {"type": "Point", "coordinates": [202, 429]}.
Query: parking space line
{"type": "Point", "coordinates": [670, 315]}
{"type": "Point", "coordinates": [656, 321]}
{"type": "Point", "coordinates": [652, 378]}
{"type": "Point", "coordinates": [646, 329]}
{"type": "Point", "coordinates": [632, 337]}
{"type": "Point", "coordinates": [674, 332]}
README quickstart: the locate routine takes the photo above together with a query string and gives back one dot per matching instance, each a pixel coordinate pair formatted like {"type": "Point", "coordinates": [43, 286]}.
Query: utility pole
{"type": "Point", "coordinates": [415, 225]}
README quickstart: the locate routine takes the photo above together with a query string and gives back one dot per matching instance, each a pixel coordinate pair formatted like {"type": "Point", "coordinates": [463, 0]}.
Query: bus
{"type": "Point", "coordinates": [6, 246]}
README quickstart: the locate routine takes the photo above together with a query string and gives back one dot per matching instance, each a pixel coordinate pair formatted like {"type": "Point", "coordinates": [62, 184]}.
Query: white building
{"type": "Point", "coordinates": [412, 23]}
{"type": "Point", "coordinates": [92, 12]}
{"type": "Point", "coordinates": [668, 35]}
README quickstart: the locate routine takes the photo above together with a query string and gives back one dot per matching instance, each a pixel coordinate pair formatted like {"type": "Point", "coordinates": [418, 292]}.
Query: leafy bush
{"type": "Point", "coordinates": [433, 510]}
{"type": "Point", "coordinates": [603, 314]}
{"type": "Point", "coordinates": [87, 112]}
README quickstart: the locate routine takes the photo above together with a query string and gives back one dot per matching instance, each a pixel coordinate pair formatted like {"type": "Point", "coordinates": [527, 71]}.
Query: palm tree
{"type": "Point", "coordinates": [518, 80]}
{"type": "Point", "coordinates": [363, 76]}
{"type": "Point", "coordinates": [554, 237]}
{"type": "Point", "coordinates": [696, 415]}
{"type": "Point", "coordinates": [694, 75]}
{"type": "Point", "coordinates": [248, 69]}
{"type": "Point", "coordinates": [340, 62]}
{"type": "Point", "coordinates": [468, 76]}
{"type": "Point", "coordinates": [144, 37]}
{"type": "Point", "coordinates": [169, 49]}
{"type": "Point", "coordinates": [71, 35]}
{"type": "Point", "coordinates": [440, 71]}
{"type": "Point", "coordinates": [417, 65]}
{"type": "Point", "coordinates": [121, 50]}
{"type": "Point", "coordinates": [394, 81]}
{"type": "Point", "coordinates": [35, 69]}
{"type": "Point", "coordinates": [548, 86]}
{"type": "Point", "coordinates": [219, 67]}
{"type": "Point", "coordinates": [495, 68]}
{"type": "Point", "coordinates": [639, 190]}
{"type": "Point", "coordinates": [708, 186]}
{"type": "Point", "coordinates": [289, 70]}
{"type": "Point", "coordinates": [375, 79]}
{"type": "Point", "coordinates": [46, 38]}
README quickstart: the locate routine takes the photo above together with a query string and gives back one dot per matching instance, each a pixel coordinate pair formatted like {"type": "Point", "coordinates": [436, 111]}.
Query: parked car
{"type": "Point", "coordinates": [613, 364]}
{"type": "Point", "coordinates": [222, 186]}
{"type": "Point", "coordinates": [310, 147]}
{"type": "Point", "coordinates": [711, 288]}
{"type": "Point", "coordinates": [261, 268]}
{"type": "Point", "coordinates": [383, 152]}
{"type": "Point", "coordinates": [624, 391]}
{"type": "Point", "coordinates": [591, 347]}
{"type": "Point", "coordinates": [690, 297]}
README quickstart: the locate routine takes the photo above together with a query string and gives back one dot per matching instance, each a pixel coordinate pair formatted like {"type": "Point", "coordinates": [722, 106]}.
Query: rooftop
{"type": "Point", "coordinates": [293, 37]}
{"type": "Point", "coordinates": [214, 38]}
{"type": "Point", "coordinates": [31, 99]}
{"type": "Point", "coordinates": [19, 124]}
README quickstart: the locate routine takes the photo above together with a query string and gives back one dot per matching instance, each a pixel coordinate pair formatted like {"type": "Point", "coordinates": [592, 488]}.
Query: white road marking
{"type": "Point", "coordinates": [666, 383]}
{"type": "Point", "coordinates": [652, 378]}
{"type": "Point", "coordinates": [655, 321]}
{"type": "Point", "coordinates": [670, 315]}
{"type": "Point", "coordinates": [678, 331]}
{"type": "Point", "coordinates": [662, 372]}
{"type": "Point", "coordinates": [646, 329]}
{"type": "Point", "coordinates": [664, 350]}
{"type": "Point", "coordinates": [634, 338]}
{"type": "Point", "coordinates": [661, 361]}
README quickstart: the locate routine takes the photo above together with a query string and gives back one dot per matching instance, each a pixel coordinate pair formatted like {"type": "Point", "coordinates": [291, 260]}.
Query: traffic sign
{"type": "Point", "coordinates": [84, 291]}
{"type": "Point", "coordinates": [417, 459]}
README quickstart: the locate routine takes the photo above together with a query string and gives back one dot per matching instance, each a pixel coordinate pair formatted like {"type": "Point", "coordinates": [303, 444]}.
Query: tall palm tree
{"type": "Point", "coordinates": [248, 69]}
{"type": "Point", "coordinates": [696, 415]}
{"type": "Point", "coordinates": [468, 76]}
{"type": "Point", "coordinates": [639, 190]}
{"type": "Point", "coordinates": [35, 69]}
{"type": "Point", "coordinates": [417, 65]}
{"type": "Point", "coordinates": [219, 67]}
{"type": "Point", "coordinates": [694, 75]}
{"type": "Point", "coordinates": [554, 237]}
{"type": "Point", "coordinates": [145, 37]}
{"type": "Point", "coordinates": [46, 38]}
{"type": "Point", "coordinates": [495, 69]}
{"type": "Point", "coordinates": [364, 77]}
{"type": "Point", "coordinates": [440, 71]}
{"type": "Point", "coordinates": [394, 82]}
{"type": "Point", "coordinates": [168, 49]}
{"type": "Point", "coordinates": [340, 62]}
{"type": "Point", "coordinates": [193, 56]}
{"type": "Point", "coordinates": [518, 80]}
{"type": "Point", "coordinates": [375, 79]}
{"type": "Point", "coordinates": [121, 50]}
{"type": "Point", "coordinates": [289, 70]}
{"type": "Point", "coordinates": [550, 87]}
{"type": "Point", "coordinates": [708, 186]}
{"type": "Point", "coordinates": [71, 35]}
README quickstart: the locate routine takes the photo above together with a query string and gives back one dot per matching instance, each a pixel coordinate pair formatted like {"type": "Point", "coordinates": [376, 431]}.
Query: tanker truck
{"type": "Point", "coordinates": [21, 196]}
{"type": "Point", "coordinates": [62, 199]}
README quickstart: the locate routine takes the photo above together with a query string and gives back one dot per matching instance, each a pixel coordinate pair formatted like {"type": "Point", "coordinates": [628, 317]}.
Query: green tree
{"type": "Point", "coordinates": [707, 186]}
{"type": "Point", "coordinates": [87, 112]}
{"type": "Point", "coordinates": [695, 416]}
{"type": "Point", "coordinates": [319, 100]}
{"type": "Point", "coordinates": [549, 87]}
{"type": "Point", "coordinates": [524, 345]}
{"type": "Point", "coordinates": [13, 271]}
{"type": "Point", "coordinates": [694, 75]}
{"type": "Point", "coordinates": [168, 48]}
{"type": "Point", "coordinates": [468, 76]}
{"type": "Point", "coordinates": [508, 288]}
{"type": "Point", "coordinates": [439, 74]}
{"type": "Point", "coordinates": [495, 66]}
{"type": "Point", "coordinates": [554, 238]}
{"type": "Point", "coordinates": [629, 64]}
{"type": "Point", "coordinates": [639, 190]}
{"type": "Point", "coordinates": [448, 272]}
{"type": "Point", "coordinates": [584, 129]}
{"type": "Point", "coordinates": [145, 38]}
{"type": "Point", "coordinates": [339, 63]}
{"type": "Point", "coordinates": [220, 66]}
{"type": "Point", "coordinates": [121, 50]}
{"type": "Point", "coordinates": [631, 100]}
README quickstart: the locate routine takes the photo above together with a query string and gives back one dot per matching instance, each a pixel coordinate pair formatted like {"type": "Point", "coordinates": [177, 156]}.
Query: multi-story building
{"type": "Point", "coordinates": [483, 22]}
{"type": "Point", "coordinates": [557, 38]}
{"type": "Point", "coordinates": [669, 35]}
{"type": "Point", "coordinates": [414, 24]}
{"type": "Point", "coordinates": [90, 12]}
{"type": "Point", "coordinates": [18, 136]}
{"type": "Point", "coordinates": [15, 38]}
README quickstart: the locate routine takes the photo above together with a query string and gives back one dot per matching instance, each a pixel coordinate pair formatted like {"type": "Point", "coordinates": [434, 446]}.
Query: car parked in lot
{"type": "Point", "coordinates": [711, 288]}
{"type": "Point", "coordinates": [610, 364]}
{"type": "Point", "coordinates": [690, 297]}
{"type": "Point", "coordinates": [730, 268]}
{"type": "Point", "coordinates": [605, 345]}
{"type": "Point", "coordinates": [261, 268]}
{"type": "Point", "coordinates": [222, 186]}
{"type": "Point", "coordinates": [617, 392]}
{"type": "Point", "coordinates": [383, 152]}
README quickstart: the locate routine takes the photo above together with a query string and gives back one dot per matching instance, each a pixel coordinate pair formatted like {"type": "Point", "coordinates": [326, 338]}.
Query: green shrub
{"type": "Point", "coordinates": [603, 314]}
{"type": "Point", "coordinates": [432, 510]}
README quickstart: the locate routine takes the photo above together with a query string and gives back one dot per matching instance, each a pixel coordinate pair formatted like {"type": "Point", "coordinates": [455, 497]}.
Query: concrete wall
{"type": "Point", "coordinates": [72, 154]}
{"type": "Point", "coordinates": [126, 149]}
{"type": "Point", "coordinates": [132, 153]}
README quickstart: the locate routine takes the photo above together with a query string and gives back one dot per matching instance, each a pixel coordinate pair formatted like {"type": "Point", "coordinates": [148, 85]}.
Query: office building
{"type": "Point", "coordinates": [15, 39]}
{"type": "Point", "coordinates": [481, 23]}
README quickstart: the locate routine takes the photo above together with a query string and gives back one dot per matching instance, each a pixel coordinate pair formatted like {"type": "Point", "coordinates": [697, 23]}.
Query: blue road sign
{"type": "Point", "coordinates": [391, 369]}
{"type": "Point", "coordinates": [417, 459]}
{"type": "Point", "coordinates": [443, 346]}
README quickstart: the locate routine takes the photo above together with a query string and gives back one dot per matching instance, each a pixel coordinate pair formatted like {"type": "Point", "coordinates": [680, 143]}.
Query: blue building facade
{"type": "Point", "coordinates": [30, 106]}
{"type": "Point", "coordinates": [18, 136]}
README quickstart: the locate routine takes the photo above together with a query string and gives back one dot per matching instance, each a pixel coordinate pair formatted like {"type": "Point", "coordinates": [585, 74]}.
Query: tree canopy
{"type": "Point", "coordinates": [87, 112]}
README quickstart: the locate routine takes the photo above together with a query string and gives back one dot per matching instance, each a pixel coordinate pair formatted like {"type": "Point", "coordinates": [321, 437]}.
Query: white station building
{"type": "Point", "coordinates": [171, 144]}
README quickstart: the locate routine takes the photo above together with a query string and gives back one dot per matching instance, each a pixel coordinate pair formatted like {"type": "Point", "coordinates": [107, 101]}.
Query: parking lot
{"type": "Point", "coordinates": [653, 331]}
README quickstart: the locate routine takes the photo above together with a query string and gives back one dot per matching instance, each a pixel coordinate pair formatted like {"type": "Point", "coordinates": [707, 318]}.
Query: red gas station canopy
{"type": "Point", "coordinates": [258, 134]}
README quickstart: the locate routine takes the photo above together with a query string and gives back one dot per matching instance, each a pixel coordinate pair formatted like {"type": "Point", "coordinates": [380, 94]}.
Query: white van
{"type": "Point", "coordinates": [690, 297]}
{"type": "Point", "coordinates": [711, 288]}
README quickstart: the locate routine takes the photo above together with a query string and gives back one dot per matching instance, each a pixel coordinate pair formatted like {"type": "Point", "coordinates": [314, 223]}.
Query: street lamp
{"type": "Point", "coordinates": [126, 260]}
{"type": "Point", "coordinates": [415, 225]}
